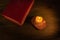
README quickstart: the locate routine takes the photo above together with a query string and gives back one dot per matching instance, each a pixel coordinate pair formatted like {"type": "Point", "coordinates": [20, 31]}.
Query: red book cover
{"type": "Point", "coordinates": [17, 10]}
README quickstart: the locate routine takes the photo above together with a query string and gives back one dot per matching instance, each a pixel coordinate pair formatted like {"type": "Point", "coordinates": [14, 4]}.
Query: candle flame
{"type": "Point", "coordinates": [38, 19]}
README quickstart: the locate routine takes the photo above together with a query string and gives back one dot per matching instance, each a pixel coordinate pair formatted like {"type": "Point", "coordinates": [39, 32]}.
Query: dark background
{"type": "Point", "coordinates": [11, 31]}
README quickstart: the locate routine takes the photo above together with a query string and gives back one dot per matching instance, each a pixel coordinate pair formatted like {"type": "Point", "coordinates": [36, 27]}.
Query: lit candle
{"type": "Point", "coordinates": [39, 22]}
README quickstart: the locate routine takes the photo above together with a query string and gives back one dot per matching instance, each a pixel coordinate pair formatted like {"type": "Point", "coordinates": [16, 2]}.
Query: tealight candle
{"type": "Point", "coordinates": [39, 22]}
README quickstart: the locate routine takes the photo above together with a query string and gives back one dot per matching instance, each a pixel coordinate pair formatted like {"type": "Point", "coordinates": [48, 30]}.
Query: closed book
{"type": "Point", "coordinates": [17, 10]}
